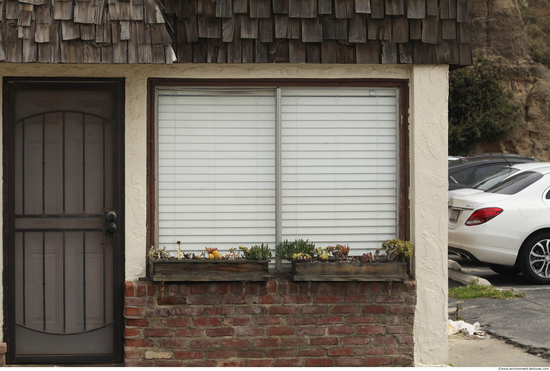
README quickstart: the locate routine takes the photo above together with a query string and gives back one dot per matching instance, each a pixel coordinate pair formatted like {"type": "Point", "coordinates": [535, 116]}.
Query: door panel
{"type": "Point", "coordinates": [65, 271]}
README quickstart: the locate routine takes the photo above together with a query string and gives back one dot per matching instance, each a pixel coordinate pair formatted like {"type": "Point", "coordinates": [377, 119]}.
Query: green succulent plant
{"type": "Point", "coordinates": [287, 250]}
{"type": "Point", "coordinates": [398, 250]}
{"type": "Point", "coordinates": [256, 252]}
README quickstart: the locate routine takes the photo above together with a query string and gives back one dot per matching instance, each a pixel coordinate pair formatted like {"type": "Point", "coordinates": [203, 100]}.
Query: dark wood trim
{"type": "Point", "coordinates": [404, 134]}
{"type": "Point", "coordinates": [117, 86]}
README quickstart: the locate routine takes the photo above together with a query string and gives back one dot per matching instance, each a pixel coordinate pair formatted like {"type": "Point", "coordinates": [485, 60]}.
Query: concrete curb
{"type": "Point", "coordinates": [456, 274]}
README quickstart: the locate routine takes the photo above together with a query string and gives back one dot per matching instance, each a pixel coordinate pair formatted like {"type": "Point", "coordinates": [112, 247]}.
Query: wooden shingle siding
{"type": "Point", "coordinates": [236, 31]}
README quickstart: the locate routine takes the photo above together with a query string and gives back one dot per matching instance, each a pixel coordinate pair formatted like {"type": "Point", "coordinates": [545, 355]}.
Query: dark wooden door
{"type": "Point", "coordinates": [63, 221]}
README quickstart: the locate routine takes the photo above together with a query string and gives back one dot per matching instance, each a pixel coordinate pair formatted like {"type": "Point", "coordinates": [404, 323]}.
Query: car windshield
{"type": "Point", "coordinates": [515, 183]}
{"type": "Point", "coordinates": [492, 179]}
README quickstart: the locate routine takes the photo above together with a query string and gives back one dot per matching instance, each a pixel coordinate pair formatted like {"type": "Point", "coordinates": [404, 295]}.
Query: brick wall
{"type": "Point", "coordinates": [275, 323]}
{"type": "Point", "coordinates": [3, 351]}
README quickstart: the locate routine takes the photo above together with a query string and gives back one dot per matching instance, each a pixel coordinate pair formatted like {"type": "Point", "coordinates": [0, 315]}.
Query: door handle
{"type": "Point", "coordinates": [110, 222]}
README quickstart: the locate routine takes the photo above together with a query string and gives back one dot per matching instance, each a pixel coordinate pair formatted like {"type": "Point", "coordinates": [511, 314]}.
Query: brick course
{"type": "Point", "coordinates": [274, 323]}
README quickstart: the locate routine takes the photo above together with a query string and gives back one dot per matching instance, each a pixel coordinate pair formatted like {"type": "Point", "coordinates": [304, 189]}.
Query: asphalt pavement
{"type": "Point", "coordinates": [520, 328]}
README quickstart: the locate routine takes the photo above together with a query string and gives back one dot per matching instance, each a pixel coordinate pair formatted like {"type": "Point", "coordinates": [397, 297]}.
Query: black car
{"type": "Point", "coordinates": [466, 171]}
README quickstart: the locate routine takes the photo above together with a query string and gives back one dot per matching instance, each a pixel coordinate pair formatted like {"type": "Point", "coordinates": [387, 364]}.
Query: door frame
{"type": "Point", "coordinates": [116, 86]}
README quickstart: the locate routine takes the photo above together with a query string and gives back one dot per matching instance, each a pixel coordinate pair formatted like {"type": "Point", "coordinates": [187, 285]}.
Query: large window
{"type": "Point", "coordinates": [261, 165]}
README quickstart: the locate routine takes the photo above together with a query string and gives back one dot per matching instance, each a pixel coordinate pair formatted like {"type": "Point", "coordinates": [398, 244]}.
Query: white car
{"type": "Point", "coordinates": [496, 177]}
{"type": "Point", "coordinates": [506, 226]}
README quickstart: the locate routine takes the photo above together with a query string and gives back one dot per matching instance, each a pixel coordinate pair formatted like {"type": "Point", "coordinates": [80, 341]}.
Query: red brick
{"type": "Point", "coordinates": [271, 287]}
{"type": "Point", "coordinates": [289, 363]}
{"type": "Point", "coordinates": [267, 320]}
{"type": "Point", "coordinates": [341, 330]}
{"type": "Point", "coordinates": [294, 341]}
{"type": "Point", "coordinates": [349, 362]}
{"type": "Point", "coordinates": [266, 299]}
{"type": "Point", "coordinates": [313, 331]}
{"type": "Point", "coordinates": [283, 310]}
{"type": "Point", "coordinates": [201, 364]}
{"type": "Point", "coordinates": [402, 361]}
{"type": "Point", "coordinates": [139, 302]}
{"type": "Point", "coordinates": [189, 355]}
{"type": "Point", "coordinates": [383, 340]}
{"type": "Point", "coordinates": [281, 353]}
{"type": "Point", "coordinates": [153, 332]}
{"type": "Point", "coordinates": [389, 299]}
{"type": "Point", "coordinates": [320, 362]}
{"type": "Point", "coordinates": [230, 364]}
{"type": "Point", "coordinates": [141, 288]}
{"type": "Point", "coordinates": [220, 311]}
{"type": "Point", "coordinates": [207, 322]}
{"type": "Point", "coordinates": [280, 331]}
{"type": "Point", "coordinates": [173, 343]}
{"type": "Point", "coordinates": [171, 301]}
{"type": "Point", "coordinates": [259, 363]}
{"type": "Point", "coordinates": [375, 309]}
{"type": "Point", "coordinates": [370, 351]}
{"type": "Point", "coordinates": [248, 331]}
{"type": "Point", "coordinates": [235, 343]}
{"type": "Point", "coordinates": [202, 300]}
{"type": "Point", "coordinates": [190, 332]}
{"type": "Point", "coordinates": [324, 341]}
{"type": "Point", "coordinates": [369, 330]}
{"type": "Point", "coordinates": [192, 312]}
{"type": "Point", "coordinates": [135, 343]}
{"type": "Point", "coordinates": [204, 344]}
{"type": "Point", "coordinates": [350, 309]}
{"type": "Point", "coordinates": [265, 342]}
{"type": "Point", "coordinates": [194, 288]}
{"type": "Point", "coordinates": [311, 353]}
{"type": "Point", "coordinates": [361, 319]}
{"type": "Point", "coordinates": [249, 310]}
{"type": "Point", "coordinates": [236, 321]}
{"type": "Point", "coordinates": [223, 287]}
{"type": "Point", "coordinates": [231, 299]}
{"type": "Point", "coordinates": [370, 362]}
{"type": "Point", "coordinates": [139, 364]}
{"type": "Point", "coordinates": [329, 320]}
{"type": "Point", "coordinates": [132, 354]}
{"type": "Point", "coordinates": [327, 299]}
{"type": "Point", "coordinates": [137, 322]}
{"type": "Point", "coordinates": [132, 312]}
{"type": "Point", "coordinates": [128, 289]}
{"type": "Point", "coordinates": [151, 289]}
{"type": "Point", "coordinates": [334, 352]}
{"type": "Point", "coordinates": [399, 330]}
{"type": "Point", "coordinates": [129, 332]}
{"type": "Point", "coordinates": [175, 322]}
{"type": "Point", "coordinates": [216, 332]}
{"type": "Point", "coordinates": [249, 354]}
{"type": "Point", "coordinates": [405, 339]}
{"type": "Point", "coordinates": [355, 299]}
{"type": "Point", "coordinates": [402, 309]}
{"type": "Point", "coordinates": [314, 309]}
{"type": "Point", "coordinates": [172, 290]}
{"type": "Point", "coordinates": [235, 288]}
{"type": "Point", "coordinates": [297, 299]}
{"type": "Point", "coordinates": [220, 354]}
{"type": "Point", "coordinates": [354, 341]}
{"type": "Point", "coordinates": [160, 312]}
{"type": "Point", "coordinates": [300, 321]}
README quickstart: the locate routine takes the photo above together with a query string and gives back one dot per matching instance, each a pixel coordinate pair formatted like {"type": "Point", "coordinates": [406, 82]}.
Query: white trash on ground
{"type": "Point", "coordinates": [461, 326]}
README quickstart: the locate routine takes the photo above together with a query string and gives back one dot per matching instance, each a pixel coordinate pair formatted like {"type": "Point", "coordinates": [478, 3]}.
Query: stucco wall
{"type": "Point", "coordinates": [428, 119]}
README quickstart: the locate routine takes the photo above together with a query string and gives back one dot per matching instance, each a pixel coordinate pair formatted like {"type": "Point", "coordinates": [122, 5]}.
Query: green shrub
{"type": "Point", "coordinates": [256, 252]}
{"type": "Point", "coordinates": [287, 250]}
{"type": "Point", "coordinates": [481, 109]}
{"type": "Point", "coordinates": [537, 28]}
{"type": "Point", "coordinates": [398, 250]}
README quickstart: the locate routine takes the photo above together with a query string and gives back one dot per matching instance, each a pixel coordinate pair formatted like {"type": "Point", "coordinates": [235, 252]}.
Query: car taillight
{"type": "Point", "coordinates": [483, 215]}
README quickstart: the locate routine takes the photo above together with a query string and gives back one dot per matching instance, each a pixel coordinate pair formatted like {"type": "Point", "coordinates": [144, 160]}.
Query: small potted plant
{"type": "Point", "coordinates": [333, 263]}
{"type": "Point", "coordinates": [211, 264]}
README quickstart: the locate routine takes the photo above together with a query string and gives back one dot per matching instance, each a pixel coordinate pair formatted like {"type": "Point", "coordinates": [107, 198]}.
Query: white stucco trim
{"type": "Point", "coordinates": [428, 122]}
{"type": "Point", "coordinates": [429, 112]}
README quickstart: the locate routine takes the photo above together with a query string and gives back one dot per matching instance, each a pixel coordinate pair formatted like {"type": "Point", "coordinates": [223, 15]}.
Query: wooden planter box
{"type": "Point", "coordinates": [354, 271]}
{"type": "Point", "coordinates": [210, 270]}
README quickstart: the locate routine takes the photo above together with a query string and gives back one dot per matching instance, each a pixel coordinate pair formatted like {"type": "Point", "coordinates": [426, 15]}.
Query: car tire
{"type": "Point", "coordinates": [534, 258]}
{"type": "Point", "coordinates": [505, 270]}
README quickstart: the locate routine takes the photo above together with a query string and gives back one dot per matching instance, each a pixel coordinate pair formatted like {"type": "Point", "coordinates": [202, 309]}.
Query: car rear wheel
{"type": "Point", "coordinates": [534, 258]}
{"type": "Point", "coordinates": [505, 270]}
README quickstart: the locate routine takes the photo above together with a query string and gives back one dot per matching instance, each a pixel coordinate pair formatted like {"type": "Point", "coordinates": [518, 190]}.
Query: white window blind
{"type": "Point", "coordinates": [339, 167]}
{"type": "Point", "coordinates": [216, 168]}
{"type": "Point", "coordinates": [217, 158]}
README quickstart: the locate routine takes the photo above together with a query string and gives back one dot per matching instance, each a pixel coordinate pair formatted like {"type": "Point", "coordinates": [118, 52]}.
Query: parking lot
{"type": "Point", "coordinates": [523, 322]}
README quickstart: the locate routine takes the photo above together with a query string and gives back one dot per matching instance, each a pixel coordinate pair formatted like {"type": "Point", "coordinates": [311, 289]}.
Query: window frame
{"type": "Point", "coordinates": [403, 132]}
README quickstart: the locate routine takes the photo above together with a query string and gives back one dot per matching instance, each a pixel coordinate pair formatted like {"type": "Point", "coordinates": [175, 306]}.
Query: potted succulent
{"type": "Point", "coordinates": [333, 263]}
{"type": "Point", "coordinates": [243, 264]}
